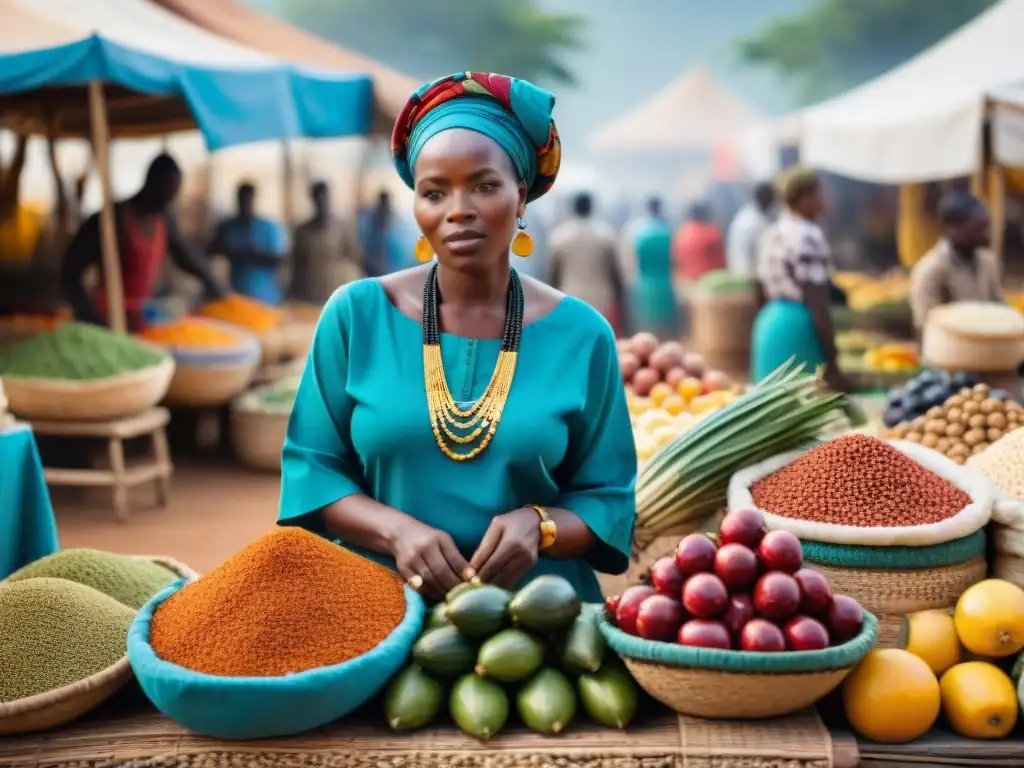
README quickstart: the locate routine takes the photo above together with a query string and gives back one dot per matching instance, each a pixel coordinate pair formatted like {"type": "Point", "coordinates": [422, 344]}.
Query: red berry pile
{"type": "Point", "coordinates": [745, 589]}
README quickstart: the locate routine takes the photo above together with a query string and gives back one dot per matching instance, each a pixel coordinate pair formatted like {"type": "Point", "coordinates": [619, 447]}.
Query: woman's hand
{"type": "Point", "coordinates": [509, 549]}
{"type": "Point", "coordinates": [427, 554]}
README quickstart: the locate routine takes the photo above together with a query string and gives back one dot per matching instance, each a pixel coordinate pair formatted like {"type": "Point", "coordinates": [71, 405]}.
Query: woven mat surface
{"type": "Point", "coordinates": [137, 737]}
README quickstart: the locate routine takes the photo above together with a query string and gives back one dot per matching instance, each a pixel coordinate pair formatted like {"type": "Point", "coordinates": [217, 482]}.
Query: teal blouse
{"type": "Point", "coordinates": [360, 425]}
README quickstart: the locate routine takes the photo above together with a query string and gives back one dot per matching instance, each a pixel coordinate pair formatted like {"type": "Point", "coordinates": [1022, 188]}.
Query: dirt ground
{"type": "Point", "coordinates": [214, 511]}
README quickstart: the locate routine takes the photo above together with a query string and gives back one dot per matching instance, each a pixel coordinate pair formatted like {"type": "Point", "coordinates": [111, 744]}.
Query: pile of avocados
{"type": "Point", "coordinates": [539, 650]}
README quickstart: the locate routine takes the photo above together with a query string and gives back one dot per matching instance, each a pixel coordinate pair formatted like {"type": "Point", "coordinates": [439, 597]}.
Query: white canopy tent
{"type": "Point", "coordinates": [922, 120]}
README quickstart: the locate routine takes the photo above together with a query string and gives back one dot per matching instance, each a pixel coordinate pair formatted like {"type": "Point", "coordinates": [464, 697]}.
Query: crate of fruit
{"type": "Point", "coordinates": [734, 626]}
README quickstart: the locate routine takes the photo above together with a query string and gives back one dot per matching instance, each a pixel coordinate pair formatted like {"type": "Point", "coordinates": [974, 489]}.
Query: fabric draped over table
{"type": "Point", "coordinates": [28, 530]}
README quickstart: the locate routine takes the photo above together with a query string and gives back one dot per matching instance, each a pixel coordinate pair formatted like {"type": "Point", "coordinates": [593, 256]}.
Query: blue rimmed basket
{"type": "Point", "coordinates": [717, 684]}
{"type": "Point", "coordinates": [263, 707]}
{"type": "Point", "coordinates": [212, 377]}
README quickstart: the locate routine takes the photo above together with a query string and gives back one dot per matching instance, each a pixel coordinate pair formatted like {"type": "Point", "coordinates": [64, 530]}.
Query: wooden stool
{"type": "Point", "coordinates": [119, 477]}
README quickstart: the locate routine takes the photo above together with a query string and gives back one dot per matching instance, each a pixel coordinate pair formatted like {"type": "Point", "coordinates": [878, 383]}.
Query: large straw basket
{"type": "Point", "coordinates": [213, 378]}
{"type": "Point", "coordinates": [1007, 554]}
{"type": "Point", "coordinates": [106, 399]}
{"type": "Point", "coordinates": [258, 437]}
{"type": "Point", "coordinates": [737, 685]}
{"type": "Point", "coordinates": [59, 707]}
{"type": "Point", "coordinates": [721, 325]}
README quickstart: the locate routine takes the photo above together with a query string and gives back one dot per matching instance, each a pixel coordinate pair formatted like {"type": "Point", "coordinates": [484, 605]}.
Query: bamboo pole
{"type": "Point", "coordinates": [108, 228]}
{"type": "Point", "coordinates": [997, 206]}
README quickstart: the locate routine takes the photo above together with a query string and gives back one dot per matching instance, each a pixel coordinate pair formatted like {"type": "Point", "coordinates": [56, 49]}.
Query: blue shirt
{"type": "Point", "coordinates": [261, 236]}
{"type": "Point", "coordinates": [654, 299]}
{"type": "Point", "coordinates": [360, 425]}
{"type": "Point", "coordinates": [387, 251]}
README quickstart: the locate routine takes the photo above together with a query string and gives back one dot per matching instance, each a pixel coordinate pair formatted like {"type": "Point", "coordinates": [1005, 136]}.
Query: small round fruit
{"type": "Point", "coordinates": [815, 591]}
{"type": "Point", "coordinates": [805, 634]}
{"type": "Point", "coordinates": [659, 618]}
{"type": "Point", "coordinates": [845, 618]}
{"type": "Point", "coordinates": [705, 633]}
{"type": "Point", "coordinates": [744, 526]}
{"type": "Point", "coordinates": [781, 551]}
{"type": "Point", "coordinates": [979, 700]}
{"type": "Point", "coordinates": [667, 578]}
{"type": "Point", "coordinates": [736, 566]}
{"type": "Point", "coordinates": [739, 611]}
{"type": "Point", "coordinates": [931, 636]}
{"type": "Point", "coordinates": [891, 697]}
{"type": "Point", "coordinates": [629, 606]}
{"type": "Point", "coordinates": [763, 636]}
{"type": "Point", "coordinates": [990, 618]}
{"type": "Point", "coordinates": [696, 554]}
{"type": "Point", "coordinates": [776, 596]}
{"type": "Point", "coordinates": [705, 596]}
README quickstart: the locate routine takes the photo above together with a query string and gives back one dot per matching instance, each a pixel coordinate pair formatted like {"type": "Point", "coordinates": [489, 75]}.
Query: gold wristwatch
{"type": "Point", "coordinates": [548, 529]}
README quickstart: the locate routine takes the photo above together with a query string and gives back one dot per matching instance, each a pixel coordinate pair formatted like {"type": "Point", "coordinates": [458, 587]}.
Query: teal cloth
{"type": "Point", "coordinates": [783, 330]}
{"type": "Point", "coordinates": [28, 530]}
{"type": "Point", "coordinates": [486, 117]}
{"type": "Point", "coordinates": [360, 425]}
{"type": "Point", "coordinates": [654, 304]}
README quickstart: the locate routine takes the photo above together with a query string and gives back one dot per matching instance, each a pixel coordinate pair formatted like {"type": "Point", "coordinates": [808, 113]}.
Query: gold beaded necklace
{"type": "Point", "coordinates": [480, 421]}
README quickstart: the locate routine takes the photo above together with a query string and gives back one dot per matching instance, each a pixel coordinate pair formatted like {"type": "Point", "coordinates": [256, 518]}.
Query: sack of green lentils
{"type": "Point", "coordinates": [858, 489]}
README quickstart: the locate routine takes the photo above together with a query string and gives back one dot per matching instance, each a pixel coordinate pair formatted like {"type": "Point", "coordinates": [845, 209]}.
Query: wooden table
{"type": "Point", "coordinates": [157, 468]}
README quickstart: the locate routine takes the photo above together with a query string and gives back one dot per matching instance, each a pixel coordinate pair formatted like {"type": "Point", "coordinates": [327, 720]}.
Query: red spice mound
{"type": "Point", "coordinates": [288, 602]}
{"type": "Point", "coordinates": [859, 481]}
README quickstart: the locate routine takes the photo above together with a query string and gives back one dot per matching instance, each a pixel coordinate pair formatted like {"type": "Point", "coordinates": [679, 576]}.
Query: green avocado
{"type": "Point", "coordinates": [444, 652]}
{"type": "Point", "coordinates": [547, 704]}
{"type": "Point", "coordinates": [413, 700]}
{"type": "Point", "coordinates": [478, 706]}
{"type": "Point", "coordinates": [481, 612]}
{"type": "Point", "coordinates": [462, 588]}
{"type": "Point", "coordinates": [546, 604]}
{"type": "Point", "coordinates": [583, 646]}
{"type": "Point", "coordinates": [438, 616]}
{"type": "Point", "coordinates": [510, 656]}
{"type": "Point", "coordinates": [610, 695]}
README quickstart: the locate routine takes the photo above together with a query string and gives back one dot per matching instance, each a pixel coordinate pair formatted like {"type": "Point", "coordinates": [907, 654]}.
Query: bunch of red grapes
{"type": "Point", "coordinates": [745, 589]}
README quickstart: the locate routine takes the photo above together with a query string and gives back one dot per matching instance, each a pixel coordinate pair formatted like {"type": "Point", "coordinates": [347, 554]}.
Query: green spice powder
{"type": "Point", "coordinates": [130, 581]}
{"type": "Point", "coordinates": [55, 632]}
{"type": "Point", "coordinates": [77, 351]}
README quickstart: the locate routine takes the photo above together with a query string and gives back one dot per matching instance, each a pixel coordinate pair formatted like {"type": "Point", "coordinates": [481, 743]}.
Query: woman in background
{"type": "Point", "coordinates": [654, 298]}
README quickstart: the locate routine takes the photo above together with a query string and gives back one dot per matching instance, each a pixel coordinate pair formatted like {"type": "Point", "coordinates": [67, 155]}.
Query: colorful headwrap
{"type": "Point", "coordinates": [514, 113]}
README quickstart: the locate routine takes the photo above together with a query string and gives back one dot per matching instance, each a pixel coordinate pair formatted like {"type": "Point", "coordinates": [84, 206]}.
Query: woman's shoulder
{"type": "Point", "coordinates": [565, 316]}
{"type": "Point", "coordinates": [358, 298]}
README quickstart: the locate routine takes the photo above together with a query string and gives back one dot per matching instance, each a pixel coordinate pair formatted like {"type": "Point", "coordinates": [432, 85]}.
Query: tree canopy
{"type": "Point", "coordinates": [431, 39]}
{"type": "Point", "coordinates": [838, 44]}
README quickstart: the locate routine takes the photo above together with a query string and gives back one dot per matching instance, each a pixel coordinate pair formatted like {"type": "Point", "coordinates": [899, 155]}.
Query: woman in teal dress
{"type": "Point", "coordinates": [654, 299]}
{"type": "Point", "coordinates": [454, 420]}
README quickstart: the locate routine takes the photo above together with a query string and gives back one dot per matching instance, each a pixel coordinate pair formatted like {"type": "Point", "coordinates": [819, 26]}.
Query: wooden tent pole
{"type": "Point", "coordinates": [997, 206]}
{"type": "Point", "coordinates": [108, 229]}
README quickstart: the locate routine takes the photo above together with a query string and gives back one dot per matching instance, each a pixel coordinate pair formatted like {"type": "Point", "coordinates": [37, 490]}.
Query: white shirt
{"type": "Point", "coordinates": [793, 251]}
{"type": "Point", "coordinates": [582, 251]}
{"type": "Point", "coordinates": [745, 231]}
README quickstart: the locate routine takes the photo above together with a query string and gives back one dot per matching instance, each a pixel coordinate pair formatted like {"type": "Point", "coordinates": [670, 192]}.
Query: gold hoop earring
{"type": "Point", "coordinates": [422, 250]}
{"type": "Point", "coordinates": [522, 243]}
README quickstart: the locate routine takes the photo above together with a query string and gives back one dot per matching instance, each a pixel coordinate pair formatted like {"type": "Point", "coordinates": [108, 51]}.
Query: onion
{"type": "Point", "coordinates": [694, 364]}
{"type": "Point", "coordinates": [643, 345]}
{"type": "Point", "coordinates": [643, 380]}
{"type": "Point", "coordinates": [629, 364]}
{"type": "Point", "coordinates": [715, 381]}
{"type": "Point", "coordinates": [664, 359]}
{"type": "Point", "coordinates": [674, 376]}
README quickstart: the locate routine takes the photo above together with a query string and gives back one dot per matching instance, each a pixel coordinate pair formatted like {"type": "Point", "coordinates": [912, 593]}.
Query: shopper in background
{"type": "Point", "coordinates": [697, 247]}
{"type": "Point", "coordinates": [585, 263]}
{"type": "Point", "coordinates": [653, 297]}
{"type": "Point", "coordinates": [255, 248]}
{"type": "Point", "coordinates": [795, 270]}
{"type": "Point", "coordinates": [746, 229]}
{"type": "Point", "coordinates": [385, 240]}
{"type": "Point", "coordinates": [321, 258]}
{"type": "Point", "coordinates": [960, 267]}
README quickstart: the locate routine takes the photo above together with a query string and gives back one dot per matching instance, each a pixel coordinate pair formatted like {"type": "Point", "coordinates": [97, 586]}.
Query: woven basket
{"type": "Point", "coordinates": [106, 399]}
{"type": "Point", "coordinates": [55, 708]}
{"type": "Point", "coordinates": [258, 438]}
{"type": "Point", "coordinates": [892, 594]}
{"type": "Point", "coordinates": [272, 346]}
{"type": "Point", "coordinates": [207, 386]}
{"type": "Point", "coordinates": [737, 685]}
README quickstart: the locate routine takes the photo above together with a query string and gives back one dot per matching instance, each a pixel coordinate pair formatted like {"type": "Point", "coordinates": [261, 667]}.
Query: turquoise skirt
{"type": "Point", "coordinates": [783, 330]}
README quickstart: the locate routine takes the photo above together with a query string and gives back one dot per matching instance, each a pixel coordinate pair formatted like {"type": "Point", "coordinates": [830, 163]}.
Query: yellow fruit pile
{"type": "Point", "coordinates": [893, 358]}
{"type": "Point", "coordinates": [864, 292]}
{"type": "Point", "coordinates": [896, 695]}
{"type": "Point", "coordinates": [665, 414]}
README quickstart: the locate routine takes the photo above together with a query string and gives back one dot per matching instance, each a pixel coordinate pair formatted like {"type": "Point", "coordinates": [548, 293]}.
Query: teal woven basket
{"type": "Point", "coordinates": [896, 558]}
{"type": "Point", "coordinates": [717, 684]}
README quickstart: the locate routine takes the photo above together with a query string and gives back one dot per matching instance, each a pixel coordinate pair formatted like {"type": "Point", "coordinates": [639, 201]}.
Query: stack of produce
{"type": "Point", "coordinates": [929, 389]}
{"type": "Point", "coordinates": [132, 581]}
{"type": "Point", "coordinates": [254, 316]}
{"type": "Point", "coordinates": [539, 646]}
{"type": "Point", "coordinates": [1003, 466]}
{"type": "Point", "coordinates": [965, 425]}
{"type": "Point", "coordinates": [54, 633]}
{"type": "Point", "coordinates": [193, 334]}
{"type": "Point", "coordinates": [894, 527]}
{"type": "Point", "coordinates": [744, 590]}
{"type": "Point", "coordinates": [77, 352]}
{"type": "Point", "coordinates": [863, 352]}
{"type": "Point", "coordinates": [276, 399]}
{"type": "Point", "coordinates": [865, 292]}
{"type": "Point", "coordinates": [896, 695]}
{"type": "Point", "coordinates": [649, 366]}
{"type": "Point", "coordinates": [688, 479]}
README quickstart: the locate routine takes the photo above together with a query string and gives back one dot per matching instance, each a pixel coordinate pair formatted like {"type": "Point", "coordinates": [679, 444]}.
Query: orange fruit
{"type": "Point", "coordinates": [689, 388]}
{"type": "Point", "coordinates": [891, 697]}
{"type": "Point", "coordinates": [674, 404]}
{"type": "Point", "coordinates": [659, 392]}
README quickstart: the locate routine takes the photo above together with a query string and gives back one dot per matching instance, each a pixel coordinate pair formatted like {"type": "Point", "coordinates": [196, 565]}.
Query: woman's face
{"type": "Point", "coordinates": [467, 198]}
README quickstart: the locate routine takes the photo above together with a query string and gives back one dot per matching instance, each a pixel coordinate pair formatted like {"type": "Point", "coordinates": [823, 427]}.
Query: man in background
{"type": "Point", "coordinates": [745, 232]}
{"type": "Point", "coordinates": [255, 248]}
{"type": "Point", "coordinates": [385, 240]}
{"type": "Point", "coordinates": [697, 247]}
{"type": "Point", "coordinates": [585, 263]}
{"type": "Point", "coordinates": [321, 257]}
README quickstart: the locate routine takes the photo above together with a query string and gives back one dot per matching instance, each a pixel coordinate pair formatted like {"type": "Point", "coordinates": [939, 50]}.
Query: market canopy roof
{"type": "Point", "coordinates": [162, 74]}
{"type": "Point", "coordinates": [690, 114]}
{"type": "Point", "coordinates": [235, 21]}
{"type": "Point", "coordinates": [922, 120]}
